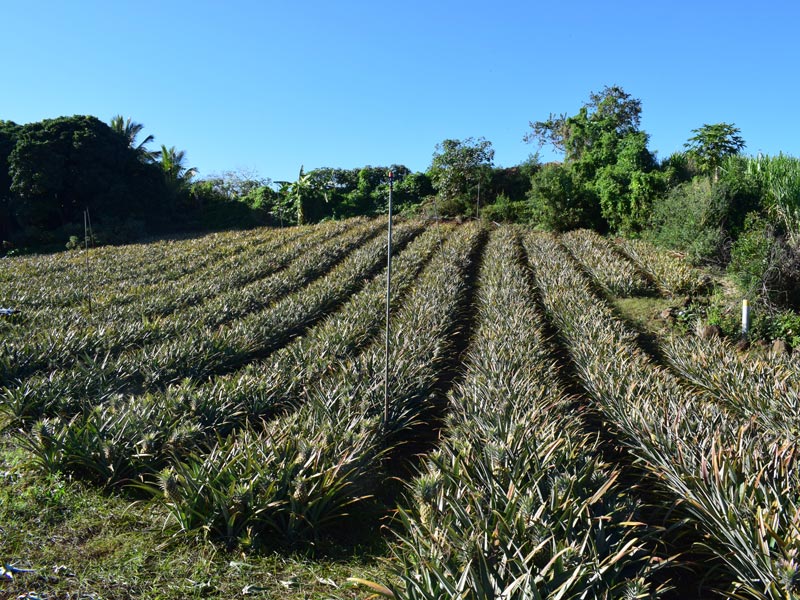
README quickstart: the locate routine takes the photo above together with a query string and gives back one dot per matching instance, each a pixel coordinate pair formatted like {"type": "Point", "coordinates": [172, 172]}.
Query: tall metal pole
{"type": "Point", "coordinates": [388, 288]}
{"type": "Point", "coordinates": [86, 251]}
{"type": "Point", "coordinates": [478, 205]}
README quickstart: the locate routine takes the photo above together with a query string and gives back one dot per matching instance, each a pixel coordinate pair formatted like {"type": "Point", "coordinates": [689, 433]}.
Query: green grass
{"type": "Point", "coordinates": [82, 543]}
{"type": "Point", "coordinates": [644, 311]}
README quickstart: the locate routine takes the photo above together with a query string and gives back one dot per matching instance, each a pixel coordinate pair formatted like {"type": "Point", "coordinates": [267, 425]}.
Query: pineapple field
{"type": "Point", "coordinates": [224, 399]}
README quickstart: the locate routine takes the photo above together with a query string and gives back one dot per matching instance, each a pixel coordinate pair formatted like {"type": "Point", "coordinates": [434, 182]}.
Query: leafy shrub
{"type": "Point", "coordinates": [786, 326]}
{"type": "Point", "coordinates": [739, 193]}
{"type": "Point", "coordinates": [626, 188]}
{"type": "Point", "coordinates": [560, 201]}
{"type": "Point", "coordinates": [688, 218]}
{"type": "Point", "coordinates": [765, 265]}
{"type": "Point", "coordinates": [504, 210]}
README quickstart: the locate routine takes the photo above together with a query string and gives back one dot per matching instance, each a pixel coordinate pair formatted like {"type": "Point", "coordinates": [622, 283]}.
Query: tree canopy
{"type": "Point", "coordinates": [607, 155]}
{"type": "Point", "coordinates": [710, 144]}
{"type": "Point", "coordinates": [457, 167]}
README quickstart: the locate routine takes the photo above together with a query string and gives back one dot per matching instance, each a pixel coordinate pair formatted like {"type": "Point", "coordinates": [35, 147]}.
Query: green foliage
{"type": "Point", "coordinates": [60, 167]}
{"type": "Point", "coordinates": [610, 111]}
{"type": "Point", "coordinates": [505, 210]}
{"type": "Point", "coordinates": [779, 178]}
{"type": "Point", "coordinates": [689, 218]}
{"type": "Point", "coordinates": [741, 191]}
{"type": "Point", "coordinates": [710, 144]}
{"type": "Point", "coordinates": [343, 193]}
{"type": "Point", "coordinates": [627, 186]}
{"type": "Point", "coordinates": [750, 255]}
{"type": "Point", "coordinates": [512, 182]}
{"type": "Point", "coordinates": [560, 201]}
{"type": "Point", "coordinates": [457, 169]}
{"type": "Point", "coordinates": [130, 130]}
{"type": "Point", "coordinates": [786, 326]}
{"type": "Point", "coordinates": [57, 168]}
{"type": "Point", "coordinates": [605, 147]}
{"type": "Point", "coordinates": [412, 189]}
{"type": "Point", "coordinates": [8, 139]}
{"type": "Point", "coordinates": [677, 169]}
{"type": "Point", "coordinates": [701, 216]}
{"type": "Point", "coordinates": [235, 199]}
{"type": "Point", "coordinates": [176, 174]}
{"type": "Point", "coordinates": [765, 265]}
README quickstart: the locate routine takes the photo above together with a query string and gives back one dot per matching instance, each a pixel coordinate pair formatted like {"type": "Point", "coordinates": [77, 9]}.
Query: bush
{"type": "Point", "coordinates": [560, 201]}
{"type": "Point", "coordinates": [739, 194]}
{"type": "Point", "coordinates": [764, 265]}
{"type": "Point", "coordinates": [688, 219]}
{"type": "Point", "coordinates": [786, 326]}
{"type": "Point", "coordinates": [504, 210]}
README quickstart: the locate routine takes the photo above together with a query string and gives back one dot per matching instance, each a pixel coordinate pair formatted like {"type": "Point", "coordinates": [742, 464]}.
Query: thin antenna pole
{"type": "Point", "coordinates": [89, 220]}
{"type": "Point", "coordinates": [478, 207]}
{"type": "Point", "coordinates": [86, 250]}
{"type": "Point", "coordinates": [388, 288]}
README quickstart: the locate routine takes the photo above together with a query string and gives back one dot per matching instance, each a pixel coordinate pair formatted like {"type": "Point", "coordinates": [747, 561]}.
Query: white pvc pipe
{"type": "Point", "coordinates": [745, 317]}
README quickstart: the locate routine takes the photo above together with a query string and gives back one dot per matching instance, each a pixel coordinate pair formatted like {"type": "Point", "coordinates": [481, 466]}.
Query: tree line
{"type": "Point", "coordinates": [708, 200]}
{"type": "Point", "coordinates": [56, 170]}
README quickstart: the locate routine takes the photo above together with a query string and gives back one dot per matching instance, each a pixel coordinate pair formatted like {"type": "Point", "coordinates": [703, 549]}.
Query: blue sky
{"type": "Point", "coordinates": [268, 86]}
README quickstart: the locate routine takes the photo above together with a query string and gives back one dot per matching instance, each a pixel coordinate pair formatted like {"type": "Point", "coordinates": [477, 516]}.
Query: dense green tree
{"type": "Point", "coordinates": [9, 131]}
{"type": "Point", "coordinates": [627, 186]}
{"type": "Point", "coordinates": [607, 154]}
{"type": "Point", "coordinates": [710, 144]}
{"type": "Point", "coordinates": [611, 111]}
{"type": "Point", "coordinates": [458, 167]}
{"type": "Point", "coordinates": [411, 188]}
{"type": "Point", "coordinates": [236, 184]}
{"type": "Point", "coordinates": [59, 167]}
{"type": "Point", "coordinates": [512, 182]}
{"type": "Point", "coordinates": [342, 193]}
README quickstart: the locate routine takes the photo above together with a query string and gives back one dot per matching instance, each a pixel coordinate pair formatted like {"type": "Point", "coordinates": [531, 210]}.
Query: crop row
{"type": "Point", "coordinates": [202, 352]}
{"type": "Point", "coordinates": [115, 304]}
{"type": "Point", "coordinates": [735, 482]}
{"type": "Point", "coordinates": [301, 476]}
{"type": "Point", "coordinates": [61, 280]}
{"type": "Point", "coordinates": [759, 388]}
{"type": "Point", "coordinates": [516, 502]}
{"type": "Point", "coordinates": [671, 273]}
{"type": "Point", "coordinates": [141, 434]}
{"type": "Point", "coordinates": [616, 275]}
{"type": "Point", "coordinates": [130, 308]}
{"type": "Point", "coordinates": [58, 347]}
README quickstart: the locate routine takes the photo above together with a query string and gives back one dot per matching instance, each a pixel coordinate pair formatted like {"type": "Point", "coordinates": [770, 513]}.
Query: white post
{"type": "Point", "coordinates": [745, 317]}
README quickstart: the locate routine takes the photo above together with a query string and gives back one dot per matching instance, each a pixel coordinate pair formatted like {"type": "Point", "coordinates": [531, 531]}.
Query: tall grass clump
{"type": "Point", "coordinates": [779, 177]}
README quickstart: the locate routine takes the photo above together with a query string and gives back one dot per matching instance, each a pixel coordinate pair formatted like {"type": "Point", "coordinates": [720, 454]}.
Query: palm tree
{"type": "Point", "coordinates": [176, 173]}
{"type": "Point", "coordinates": [130, 130]}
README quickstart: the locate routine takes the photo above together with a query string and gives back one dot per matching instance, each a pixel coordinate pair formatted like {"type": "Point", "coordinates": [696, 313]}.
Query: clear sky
{"type": "Point", "coordinates": [273, 85]}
